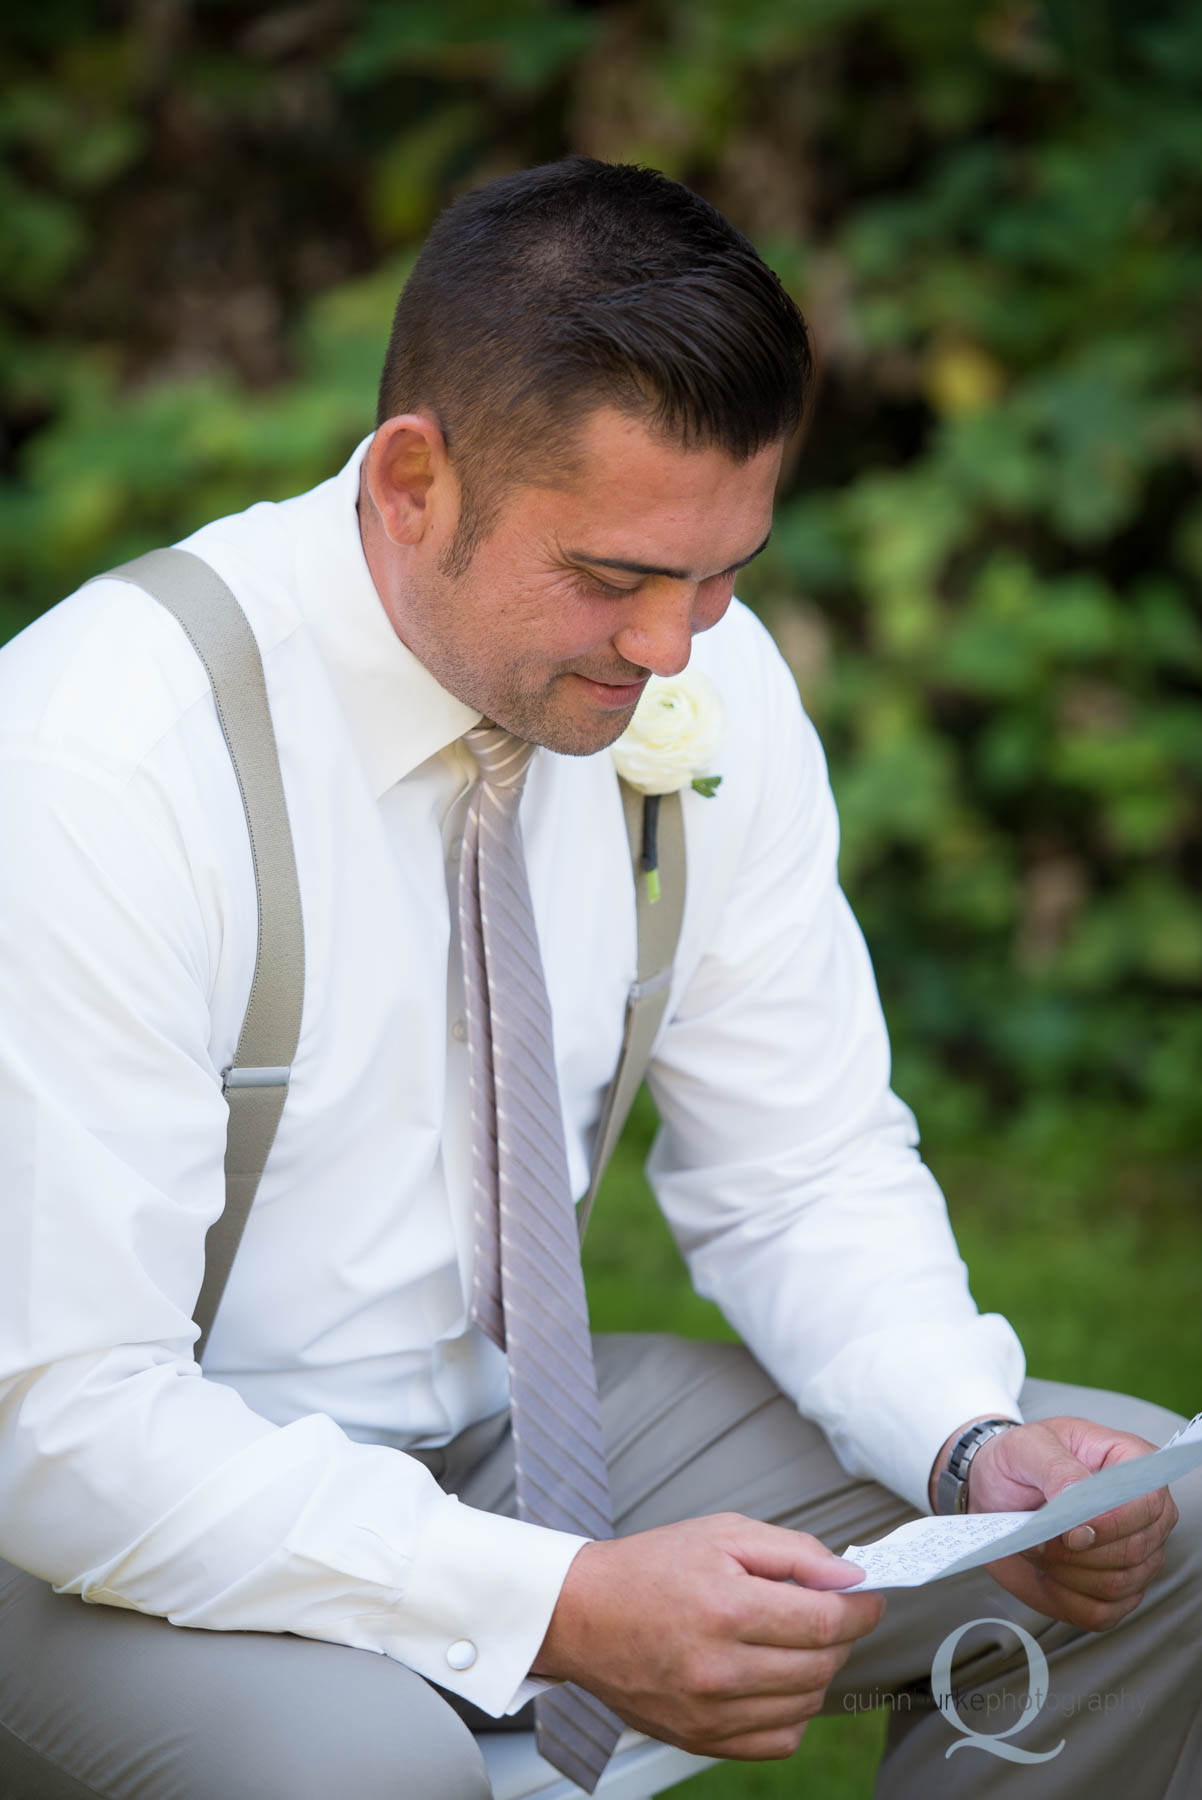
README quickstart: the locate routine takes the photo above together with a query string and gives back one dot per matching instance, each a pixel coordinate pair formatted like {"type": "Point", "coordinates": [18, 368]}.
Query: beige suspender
{"type": "Point", "coordinates": [256, 1083]}
{"type": "Point", "coordinates": [658, 934]}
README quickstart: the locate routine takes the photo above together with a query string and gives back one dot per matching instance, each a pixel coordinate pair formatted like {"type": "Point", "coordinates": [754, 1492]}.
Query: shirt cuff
{"type": "Point", "coordinates": [529, 1690]}
{"type": "Point", "coordinates": [888, 1403]}
{"type": "Point", "coordinates": [477, 1603]}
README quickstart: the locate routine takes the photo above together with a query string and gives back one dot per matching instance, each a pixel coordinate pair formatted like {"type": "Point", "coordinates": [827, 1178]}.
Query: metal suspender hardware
{"type": "Point", "coordinates": [235, 1078]}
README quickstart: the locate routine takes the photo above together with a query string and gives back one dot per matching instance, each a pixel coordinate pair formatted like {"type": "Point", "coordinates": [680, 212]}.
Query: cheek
{"type": "Point", "coordinates": [516, 620]}
{"type": "Point", "coordinates": [566, 621]}
{"type": "Point", "coordinates": [541, 602]}
{"type": "Point", "coordinates": [710, 606]}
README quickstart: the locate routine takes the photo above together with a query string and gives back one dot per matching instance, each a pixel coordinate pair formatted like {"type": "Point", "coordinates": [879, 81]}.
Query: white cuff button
{"type": "Point", "coordinates": [462, 1655]}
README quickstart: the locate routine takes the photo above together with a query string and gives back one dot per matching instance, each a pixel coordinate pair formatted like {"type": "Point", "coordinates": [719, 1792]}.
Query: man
{"type": "Point", "coordinates": [582, 416]}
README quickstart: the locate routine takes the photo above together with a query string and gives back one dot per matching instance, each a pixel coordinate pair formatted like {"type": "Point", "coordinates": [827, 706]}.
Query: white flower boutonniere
{"type": "Point", "coordinates": [678, 726]}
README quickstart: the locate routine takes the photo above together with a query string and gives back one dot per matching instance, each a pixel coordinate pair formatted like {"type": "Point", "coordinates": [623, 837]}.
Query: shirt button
{"type": "Point", "coordinates": [462, 1655]}
{"type": "Point", "coordinates": [459, 1031]}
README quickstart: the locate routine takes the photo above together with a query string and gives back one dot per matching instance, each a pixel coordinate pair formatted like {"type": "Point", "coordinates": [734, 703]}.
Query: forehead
{"type": "Point", "coordinates": [635, 496]}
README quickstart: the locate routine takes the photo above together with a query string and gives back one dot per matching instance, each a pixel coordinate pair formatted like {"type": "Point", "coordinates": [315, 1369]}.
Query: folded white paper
{"type": "Point", "coordinates": [928, 1549]}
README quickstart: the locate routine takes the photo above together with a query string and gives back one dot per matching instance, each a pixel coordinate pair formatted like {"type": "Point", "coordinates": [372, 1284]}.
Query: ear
{"type": "Point", "coordinates": [410, 480]}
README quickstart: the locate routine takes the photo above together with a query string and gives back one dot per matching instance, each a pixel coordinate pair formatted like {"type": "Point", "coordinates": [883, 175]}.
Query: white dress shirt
{"type": "Point", "coordinates": [270, 1493]}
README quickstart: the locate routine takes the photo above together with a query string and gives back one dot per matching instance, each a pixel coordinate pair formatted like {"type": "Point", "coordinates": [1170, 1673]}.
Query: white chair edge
{"type": "Point", "coordinates": [639, 1768]}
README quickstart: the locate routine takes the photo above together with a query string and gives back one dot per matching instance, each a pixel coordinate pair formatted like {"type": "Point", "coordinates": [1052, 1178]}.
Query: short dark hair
{"type": "Point", "coordinates": [545, 294]}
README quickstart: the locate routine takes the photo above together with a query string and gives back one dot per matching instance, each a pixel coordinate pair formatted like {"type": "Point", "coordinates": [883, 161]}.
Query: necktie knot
{"type": "Point", "coordinates": [502, 758]}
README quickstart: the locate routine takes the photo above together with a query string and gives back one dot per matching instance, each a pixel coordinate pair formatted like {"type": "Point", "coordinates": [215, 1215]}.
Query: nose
{"type": "Point", "coordinates": [657, 634]}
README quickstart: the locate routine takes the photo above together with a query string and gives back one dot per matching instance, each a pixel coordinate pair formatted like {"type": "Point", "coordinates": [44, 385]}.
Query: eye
{"type": "Point", "coordinates": [594, 585]}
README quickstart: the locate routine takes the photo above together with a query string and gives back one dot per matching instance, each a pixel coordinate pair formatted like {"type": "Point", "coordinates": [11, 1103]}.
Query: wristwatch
{"type": "Point", "coordinates": [951, 1491]}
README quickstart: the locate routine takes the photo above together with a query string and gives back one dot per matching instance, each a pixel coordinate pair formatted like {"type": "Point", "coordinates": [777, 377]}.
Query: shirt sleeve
{"type": "Point", "coordinates": [785, 1165]}
{"type": "Point", "coordinates": [126, 1476]}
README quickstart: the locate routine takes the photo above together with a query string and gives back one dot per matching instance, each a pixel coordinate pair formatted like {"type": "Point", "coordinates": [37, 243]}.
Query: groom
{"type": "Point", "coordinates": [583, 411]}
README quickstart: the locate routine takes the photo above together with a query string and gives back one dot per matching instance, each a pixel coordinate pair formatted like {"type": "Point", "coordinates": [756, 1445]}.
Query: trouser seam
{"type": "Point", "coordinates": [59, 1768]}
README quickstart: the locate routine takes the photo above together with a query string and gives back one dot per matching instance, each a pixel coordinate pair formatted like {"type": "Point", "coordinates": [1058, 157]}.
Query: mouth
{"type": "Point", "coordinates": [617, 695]}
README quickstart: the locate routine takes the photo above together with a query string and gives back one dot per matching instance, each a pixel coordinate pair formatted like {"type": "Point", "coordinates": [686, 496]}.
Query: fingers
{"type": "Point", "coordinates": [1020, 1469]}
{"type": "Point", "coordinates": [801, 1598]}
{"type": "Point", "coordinates": [751, 1673]}
{"type": "Point", "coordinates": [754, 1727]}
{"type": "Point", "coordinates": [765, 1746]}
{"type": "Point", "coordinates": [778, 1724]}
{"type": "Point", "coordinates": [1092, 1598]}
{"type": "Point", "coordinates": [1105, 1547]}
{"type": "Point", "coordinates": [775, 1613]}
{"type": "Point", "coordinates": [1089, 1612]}
{"type": "Point", "coordinates": [1096, 1574]}
{"type": "Point", "coordinates": [1112, 1575]}
{"type": "Point", "coordinates": [1125, 1555]}
{"type": "Point", "coordinates": [720, 1634]}
{"type": "Point", "coordinates": [754, 1743]}
{"type": "Point", "coordinates": [1145, 1522]}
{"type": "Point", "coordinates": [1120, 1582]}
{"type": "Point", "coordinates": [780, 1554]}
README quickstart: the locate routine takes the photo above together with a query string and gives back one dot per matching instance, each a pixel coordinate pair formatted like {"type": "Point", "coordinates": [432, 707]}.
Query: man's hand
{"type": "Point", "coordinates": [1096, 1574]}
{"type": "Point", "coordinates": [694, 1633]}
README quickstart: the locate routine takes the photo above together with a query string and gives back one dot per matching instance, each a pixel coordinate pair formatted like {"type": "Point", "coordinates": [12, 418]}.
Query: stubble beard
{"type": "Point", "coordinates": [502, 692]}
{"type": "Point", "coordinates": [538, 720]}
{"type": "Point", "coordinates": [542, 715]}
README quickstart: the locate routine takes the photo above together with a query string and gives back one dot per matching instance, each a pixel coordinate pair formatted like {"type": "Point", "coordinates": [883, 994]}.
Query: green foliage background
{"type": "Point", "coordinates": [986, 563]}
{"type": "Point", "coordinates": [985, 571]}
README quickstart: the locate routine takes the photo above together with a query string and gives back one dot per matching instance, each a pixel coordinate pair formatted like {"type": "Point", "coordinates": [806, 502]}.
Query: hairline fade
{"type": "Point", "coordinates": [545, 295]}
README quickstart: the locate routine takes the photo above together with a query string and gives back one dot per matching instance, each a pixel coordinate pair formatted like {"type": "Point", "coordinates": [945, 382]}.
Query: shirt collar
{"type": "Point", "coordinates": [397, 713]}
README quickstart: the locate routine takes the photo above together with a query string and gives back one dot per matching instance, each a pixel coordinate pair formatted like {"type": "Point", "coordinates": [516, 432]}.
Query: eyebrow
{"type": "Point", "coordinates": [638, 568]}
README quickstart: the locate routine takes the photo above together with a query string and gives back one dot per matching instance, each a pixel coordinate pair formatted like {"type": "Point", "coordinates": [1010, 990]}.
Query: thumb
{"type": "Point", "coordinates": [779, 1554]}
{"type": "Point", "coordinates": [1063, 1471]}
{"type": "Point", "coordinates": [1066, 1472]}
{"type": "Point", "coordinates": [1035, 1460]}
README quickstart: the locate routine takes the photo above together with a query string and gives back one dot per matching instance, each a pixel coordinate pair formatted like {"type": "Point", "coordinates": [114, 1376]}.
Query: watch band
{"type": "Point", "coordinates": [951, 1490]}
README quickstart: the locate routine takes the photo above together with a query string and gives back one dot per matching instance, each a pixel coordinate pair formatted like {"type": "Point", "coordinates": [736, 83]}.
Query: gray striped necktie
{"type": "Point", "coordinates": [528, 1288]}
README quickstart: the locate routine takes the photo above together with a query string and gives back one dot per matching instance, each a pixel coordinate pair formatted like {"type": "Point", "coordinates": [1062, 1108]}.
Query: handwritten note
{"type": "Point", "coordinates": [930, 1549]}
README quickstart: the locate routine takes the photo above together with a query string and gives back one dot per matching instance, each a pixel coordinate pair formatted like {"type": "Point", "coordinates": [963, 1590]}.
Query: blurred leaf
{"type": "Point", "coordinates": [524, 43]}
{"type": "Point", "coordinates": [408, 178]}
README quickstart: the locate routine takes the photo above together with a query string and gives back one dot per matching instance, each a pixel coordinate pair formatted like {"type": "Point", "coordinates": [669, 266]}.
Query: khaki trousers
{"type": "Point", "coordinates": [102, 1704]}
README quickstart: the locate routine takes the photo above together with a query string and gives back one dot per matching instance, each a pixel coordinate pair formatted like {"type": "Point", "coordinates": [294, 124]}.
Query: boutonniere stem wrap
{"type": "Point", "coordinates": [678, 726]}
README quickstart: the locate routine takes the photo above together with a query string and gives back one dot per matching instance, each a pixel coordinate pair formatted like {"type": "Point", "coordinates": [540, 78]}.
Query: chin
{"type": "Point", "coordinates": [585, 737]}
{"type": "Point", "coordinates": [567, 734]}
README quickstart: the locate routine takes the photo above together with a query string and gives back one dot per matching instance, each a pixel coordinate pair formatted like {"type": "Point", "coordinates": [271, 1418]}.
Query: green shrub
{"type": "Point", "coordinates": [986, 561]}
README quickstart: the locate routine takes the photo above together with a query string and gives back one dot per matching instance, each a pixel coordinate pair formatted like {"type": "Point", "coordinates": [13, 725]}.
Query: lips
{"type": "Point", "coordinates": [614, 693]}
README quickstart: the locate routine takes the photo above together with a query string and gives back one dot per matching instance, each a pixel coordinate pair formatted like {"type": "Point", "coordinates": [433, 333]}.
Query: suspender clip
{"type": "Point", "coordinates": [643, 990]}
{"type": "Point", "coordinates": [254, 1078]}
